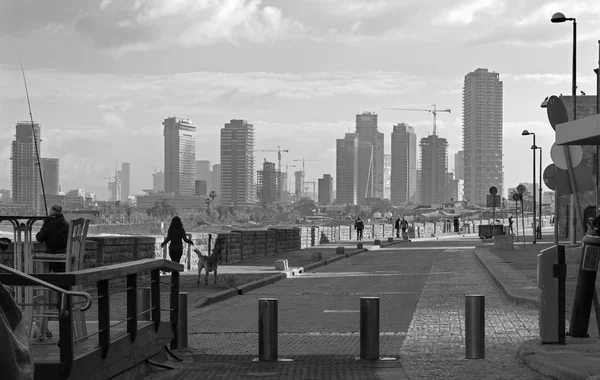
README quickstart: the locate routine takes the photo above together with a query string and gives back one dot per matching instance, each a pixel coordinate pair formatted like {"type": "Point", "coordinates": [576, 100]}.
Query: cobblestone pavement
{"type": "Point", "coordinates": [434, 344]}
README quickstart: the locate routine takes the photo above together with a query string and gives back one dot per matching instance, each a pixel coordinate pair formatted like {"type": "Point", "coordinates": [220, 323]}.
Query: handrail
{"type": "Point", "coordinates": [48, 285]}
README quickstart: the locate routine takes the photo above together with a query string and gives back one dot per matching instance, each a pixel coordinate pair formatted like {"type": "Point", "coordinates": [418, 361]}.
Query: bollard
{"type": "Point", "coordinates": [267, 329]}
{"type": "Point", "coordinates": [182, 322]}
{"type": "Point", "coordinates": [143, 304]}
{"type": "Point", "coordinates": [359, 245]}
{"type": "Point", "coordinates": [390, 240]}
{"type": "Point", "coordinates": [369, 328]}
{"type": "Point", "coordinates": [474, 327]}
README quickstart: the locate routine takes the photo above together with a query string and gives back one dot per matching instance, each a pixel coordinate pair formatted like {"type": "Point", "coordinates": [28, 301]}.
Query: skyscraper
{"type": "Point", "coordinates": [204, 173]}
{"type": "Point", "coordinates": [404, 164]}
{"type": "Point", "coordinates": [459, 165]}
{"type": "Point", "coordinates": [180, 156]}
{"type": "Point", "coordinates": [125, 179]}
{"type": "Point", "coordinates": [434, 165]}
{"type": "Point", "coordinates": [387, 175]}
{"type": "Point", "coordinates": [346, 169]}
{"type": "Point", "coordinates": [26, 186]}
{"type": "Point", "coordinates": [370, 157]}
{"type": "Point", "coordinates": [237, 164]}
{"type": "Point", "coordinates": [267, 183]}
{"type": "Point", "coordinates": [482, 134]}
{"type": "Point", "coordinates": [158, 181]}
{"type": "Point", "coordinates": [298, 183]}
{"type": "Point", "coordinates": [216, 179]}
{"type": "Point", "coordinates": [50, 174]}
{"type": "Point", "coordinates": [325, 189]}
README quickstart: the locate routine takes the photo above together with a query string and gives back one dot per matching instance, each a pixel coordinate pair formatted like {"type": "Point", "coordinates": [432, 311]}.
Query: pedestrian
{"type": "Point", "coordinates": [456, 224]}
{"type": "Point", "coordinates": [510, 225]}
{"type": "Point", "coordinates": [589, 228]}
{"type": "Point", "coordinates": [404, 225]}
{"type": "Point", "coordinates": [397, 227]}
{"type": "Point", "coordinates": [359, 226]}
{"type": "Point", "coordinates": [55, 234]}
{"type": "Point", "coordinates": [176, 235]}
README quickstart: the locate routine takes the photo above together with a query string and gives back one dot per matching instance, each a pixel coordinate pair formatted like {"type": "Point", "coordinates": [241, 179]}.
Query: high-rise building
{"type": "Point", "coordinates": [200, 188]}
{"type": "Point", "coordinates": [204, 173]}
{"type": "Point", "coordinates": [267, 183]}
{"type": "Point", "coordinates": [370, 157]}
{"type": "Point", "coordinates": [325, 189]}
{"type": "Point", "coordinates": [482, 135]}
{"type": "Point", "coordinates": [346, 169]}
{"type": "Point", "coordinates": [404, 164]}
{"type": "Point", "coordinates": [180, 156]}
{"type": "Point", "coordinates": [216, 179]}
{"type": "Point", "coordinates": [125, 180]}
{"type": "Point", "coordinates": [237, 164]}
{"type": "Point", "coordinates": [387, 175]}
{"type": "Point", "coordinates": [50, 175]}
{"type": "Point", "coordinates": [26, 186]}
{"type": "Point", "coordinates": [434, 166]}
{"type": "Point", "coordinates": [114, 188]}
{"type": "Point", "coordinates": [298, 183]}
{"type": "Point", "coordinates": [451, 188]}
{"type": "Point", "coordinates": [158, 181]}
{"type": "Point", "coordinates": [75, 199]}
{"type": "Point", "coordinates": [417, 200]}
{"type": "Point", "coordinates": [459, 165]}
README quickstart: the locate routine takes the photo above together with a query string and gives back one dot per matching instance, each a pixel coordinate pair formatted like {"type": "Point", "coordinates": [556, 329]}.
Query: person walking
{"type": "Point", "coordinates": [397, 227]}
{"type": "Point", "coordinates": [510, 225]}
{"type": "Point", "coordinates": [456, 224]}
{"type": "Point", "coordinates": [176, 235]}
{"type": "Point", "coordinates": [404, 226]}
{"type": "Point", "coordinates": [359, 226]}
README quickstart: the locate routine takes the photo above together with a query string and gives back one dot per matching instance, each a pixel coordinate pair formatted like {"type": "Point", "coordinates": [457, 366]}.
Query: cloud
{"type": "Point", "coordinates": [547, 78]}
{"type": "Point", "coordinates": [466, 13]}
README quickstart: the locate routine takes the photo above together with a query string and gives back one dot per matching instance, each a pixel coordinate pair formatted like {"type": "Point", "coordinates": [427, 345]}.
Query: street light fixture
{"type": "Point", "coordinates": [527, 133]}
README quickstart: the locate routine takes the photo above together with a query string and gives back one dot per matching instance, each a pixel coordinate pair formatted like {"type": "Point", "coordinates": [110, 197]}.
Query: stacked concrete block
{"type": "Point", "coordinates": [260, 242]}
{"type": "Point", "coordinates": [305, 237]}
{"type": "Point", "coordinates": [315, 235]}
{"type": "Point", "coordinates": [246, 244]}
{"type": "Point", "coordinates": [378, 230]}
{"type": "Point", "coordinates": [346, 232]}
{"type": "Point", "coordinates": [388, 230]}
{"type": "Point", "coordinates": [280, 239]}
{"type": "Point", "coordinates": [271, 242]}
{"type": "Point", "coordinates": [325, 235]}
{"type": "Point", "coordinates": [296, 239]}
{"type": "Point", "coordinates": [221, 246]}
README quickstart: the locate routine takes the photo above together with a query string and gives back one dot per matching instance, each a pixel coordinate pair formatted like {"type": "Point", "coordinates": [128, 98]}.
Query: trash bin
{"type": "Point", "coordinates": [548, 284]}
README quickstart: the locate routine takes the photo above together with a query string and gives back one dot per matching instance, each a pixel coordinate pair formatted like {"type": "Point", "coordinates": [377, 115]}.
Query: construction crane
{"type": "Point", "coordinates": [433, 111]}
{"type": "Point", "coordinates": [303, 160]}
{"type": "Point", "coordinates": [314, 183]}
{"type": "Point", "coordinates": [278, 151]}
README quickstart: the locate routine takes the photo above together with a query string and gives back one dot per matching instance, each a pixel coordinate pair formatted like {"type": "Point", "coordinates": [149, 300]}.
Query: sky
{"type": "Point", "coordinates": [103, 75]}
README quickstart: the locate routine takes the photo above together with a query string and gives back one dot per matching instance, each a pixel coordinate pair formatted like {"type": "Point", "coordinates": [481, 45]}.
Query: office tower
{"type": "Point", "coordinates": [370, 157]}
{"type": "Point", "coordinates": [387, 174]}
{"type": "Point", "coordinates": [75, 199]}
{"type": "Point", "coordinates": [298, 183]}
{"type": "Point", "coordinates": [114, 188]}
{"type": "Point", "coordinates": [434, 165]}
{"type": "Point", "coordinates": [459, 165]}
{"type": "Point", "coordinates": [125, 179]}
{"type": "Point", "coordinates": [451, 188]}
{"type": "Point", "coordinates": [180, 156]}
{"type": "Point", "coordinates": [325, 189]}
{"type": "Point", "coordinates": [204, 173]}
{"type": "Point", "coordinates": [158, 181]}
{"type": "Point", "coordinates": [26, 186]}
{"type": "Point", "coordinates": [200, 188]}
{"type": "Point", "coordinates": [346, 169]}
{"type": "Point", "coordinates": [237, 164]}
{"type": "Point", "coordinates": [482, 134]}
{"type": "Point", "coordinates": [50, 174]}
{"type": "Point", "coordinates": [267, 183]}
{"type": "Point", "coordinates": [216, 179]}
{"type": "Point", "coordinates": [404, 164]}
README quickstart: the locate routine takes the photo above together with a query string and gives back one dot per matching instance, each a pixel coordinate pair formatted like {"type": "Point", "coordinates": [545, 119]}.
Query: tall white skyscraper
{"type": "Point", "coordinates": [238, 187]}
{"type": "Point", "coordinates": [180, 156]}
{"type": "Point", "coordinates": [26, 185]}
{"type": "Point", "coordinates": [482, 135]}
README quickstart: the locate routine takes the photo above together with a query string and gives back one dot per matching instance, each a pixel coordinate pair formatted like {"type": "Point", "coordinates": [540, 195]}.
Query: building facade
{"type": "Point", "coordinates": [482, 134]}
{"type": "Point", "coordinates": [404, 164]}
{"type": "Point", "coordinates": [237, 164]}
{"type": "Point", "coordinates": [158, 181]}
{"type": "Point", "coordinates": [180, 156]}
{"type": "Point", "coordinates": [204, 173]}
{"type": "Point", "coordinates": [267, 183]}
{"type": "Point", "coordinates": [387, 176]}
{"type": "Point", "coordinates": [125, 180]}
{"type": "Point", "coordinates": [50, 174]}
{"type": "Point", "coordinates": [216, 179]}
{"type": "Point", "coordinates": [369, 157]}
{"type": "Point", "coordinates": [325, 190]}
{"type": "Point", "coordinates": [346, 169]}
{"type": "Point", "coordinates": [459, 165]}
{"type": "Point", "coordinates": [26, 185]}
{"type": "Point", "coordinates": [434, 166]}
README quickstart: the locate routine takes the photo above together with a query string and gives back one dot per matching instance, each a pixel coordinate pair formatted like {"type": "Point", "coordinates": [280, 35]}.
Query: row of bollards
{"type": "Point", "coordinates": [369, 328]}
{"type": "Point", "coordinates": [180, 339]}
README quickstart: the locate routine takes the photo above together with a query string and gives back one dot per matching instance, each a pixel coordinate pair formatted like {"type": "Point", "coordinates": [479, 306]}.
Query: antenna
{"type": "Point", "coordinates": [37, 153]}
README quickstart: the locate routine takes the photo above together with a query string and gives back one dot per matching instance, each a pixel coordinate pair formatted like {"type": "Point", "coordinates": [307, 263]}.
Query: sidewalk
{"type": "Point", "coordinates": [515, 273]}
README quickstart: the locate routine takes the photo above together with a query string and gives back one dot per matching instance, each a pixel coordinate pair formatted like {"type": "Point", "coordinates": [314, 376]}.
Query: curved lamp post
{"type": "Point", "coordinates": [533, 147]}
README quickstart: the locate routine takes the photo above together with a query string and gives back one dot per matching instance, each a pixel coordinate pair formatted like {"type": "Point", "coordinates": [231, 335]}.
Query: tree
{"type": "Point", "coordinates": [305, 206]}
{"type": "Point", "coordinates": [210, 199]}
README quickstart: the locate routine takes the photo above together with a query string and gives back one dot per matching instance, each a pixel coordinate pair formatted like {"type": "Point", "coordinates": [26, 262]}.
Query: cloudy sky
{"type": "Point", "coordinates": [103, 74]}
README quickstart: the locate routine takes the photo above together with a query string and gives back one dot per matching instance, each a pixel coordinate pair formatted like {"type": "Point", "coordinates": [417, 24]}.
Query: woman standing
{"type": "Point", "coordinates": [176, 235]}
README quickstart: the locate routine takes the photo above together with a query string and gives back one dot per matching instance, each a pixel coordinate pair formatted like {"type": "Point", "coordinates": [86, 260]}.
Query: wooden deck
{"type": "Point", "coordinates": [89, 363]}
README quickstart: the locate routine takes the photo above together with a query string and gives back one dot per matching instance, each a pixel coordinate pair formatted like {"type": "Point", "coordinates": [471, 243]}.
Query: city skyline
{"type": "Point", "coordinates": [121, 84]}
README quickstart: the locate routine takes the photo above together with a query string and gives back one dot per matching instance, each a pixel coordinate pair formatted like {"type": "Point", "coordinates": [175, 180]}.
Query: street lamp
{"type": "Point", "coordinates": [527, 133]}
{"type": "Point", "coordinates": [540, 202]}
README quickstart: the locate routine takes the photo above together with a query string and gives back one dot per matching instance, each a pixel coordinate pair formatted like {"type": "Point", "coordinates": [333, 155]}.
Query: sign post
{"type": "Point", "coordinates": [515, 198]}
{"type": "Point", "coordinates": [521, 190]}
{"type": "Point", "coordinates": [493, 192]}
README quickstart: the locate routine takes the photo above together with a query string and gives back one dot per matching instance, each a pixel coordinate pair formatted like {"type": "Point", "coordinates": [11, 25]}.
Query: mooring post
{"type": "Point", "coordinates": [474, 327]}
{"type": "Point", "coordinates": [182, 321]}
{"type": "Point", "coordinates": [369, 328]}
{"type": "Point", "coordinates": [267, 329]}
{"type": "Point", "coordinates": [143, 304]}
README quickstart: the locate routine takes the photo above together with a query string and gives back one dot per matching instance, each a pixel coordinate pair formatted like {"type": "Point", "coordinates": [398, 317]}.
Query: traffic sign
{"type": "Point", "coordinates": [557, 152]}
{"type": "Point", "coordinates": [521, 189]}
{"type": "Point", "coordinates": [493, 190]}
{"type": "Point", "coordinates": [558, 179]}
{"type": "Point", "coordinates": [550, 176]}
{"type": "Point", "coordinates": [557, 113]}
{"type": "Point", "coordinates": [516, 197]}
{"type": "Point", "coordinates": [492, 200]}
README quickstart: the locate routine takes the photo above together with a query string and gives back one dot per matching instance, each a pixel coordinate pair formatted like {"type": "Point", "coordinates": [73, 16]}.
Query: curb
{"type": "Point", "coordinates": [260, 283]}
{"type": "Point", "coordinates": [517, 288]}
{"type": "Point", "coordinates": [220, 296]}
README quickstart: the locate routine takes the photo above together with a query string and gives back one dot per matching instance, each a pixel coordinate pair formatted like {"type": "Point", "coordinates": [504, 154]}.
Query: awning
{"type": "Point", "coordinates": [584, 131]}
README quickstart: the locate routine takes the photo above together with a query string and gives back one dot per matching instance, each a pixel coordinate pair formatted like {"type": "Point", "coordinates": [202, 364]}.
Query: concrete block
{"type": "Point", "coordinates": [404, 236]}
{"type": "Point", "coordinates": [281, 265]}
{"type": "Point", "coordinates": [315, 256]}
{"type": "Point", "coordinates": [359, 245]}
{"type": "Point", "coordinates": [390, 240]}
{"type": "Point", "coordinates": [339, 250]}
{"type": "Point", "coordinates": [377, 242]}
{"type": "Point", "coordinates": [504, 242]}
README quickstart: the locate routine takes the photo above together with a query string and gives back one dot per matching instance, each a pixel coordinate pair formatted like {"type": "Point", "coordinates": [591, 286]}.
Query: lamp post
{"type": "Point", "coordinates": [540, 199]}
{"type": "Point", "coordinates": [533, 148]}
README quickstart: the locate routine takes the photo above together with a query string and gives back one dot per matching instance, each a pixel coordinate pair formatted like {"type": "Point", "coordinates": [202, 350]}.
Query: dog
{"type": "Point", "coordinates": [208, 263]}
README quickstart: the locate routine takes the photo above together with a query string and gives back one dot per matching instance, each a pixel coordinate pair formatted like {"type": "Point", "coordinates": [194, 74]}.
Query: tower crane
{"type": "Point", "coordinates": [314, 183]}
{"type": "Point", "coordinates": [303, 160]}
{"type": "Point", "coordinates": [278, 151]}
{"type": "Point", "coordinates": [433, 111]}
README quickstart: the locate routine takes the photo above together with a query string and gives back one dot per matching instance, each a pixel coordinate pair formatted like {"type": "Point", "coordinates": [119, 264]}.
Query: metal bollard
{"type": "Point", "coordinates": [267, 329]}
{"type": "Point", "coordinates": [369, 328]}
{"type": "Point", "coordinates": [143, 304]}
{"type": "Point", "coordinates": [182, 322]}
{"type": "Point", "coordinates": [474, 327]}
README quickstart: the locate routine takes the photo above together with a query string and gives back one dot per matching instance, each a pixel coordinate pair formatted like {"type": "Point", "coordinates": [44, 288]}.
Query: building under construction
{"type": "Point", "coordinates": [434, 166]}
{"type": "Point", "coordinates": [267, 184]}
